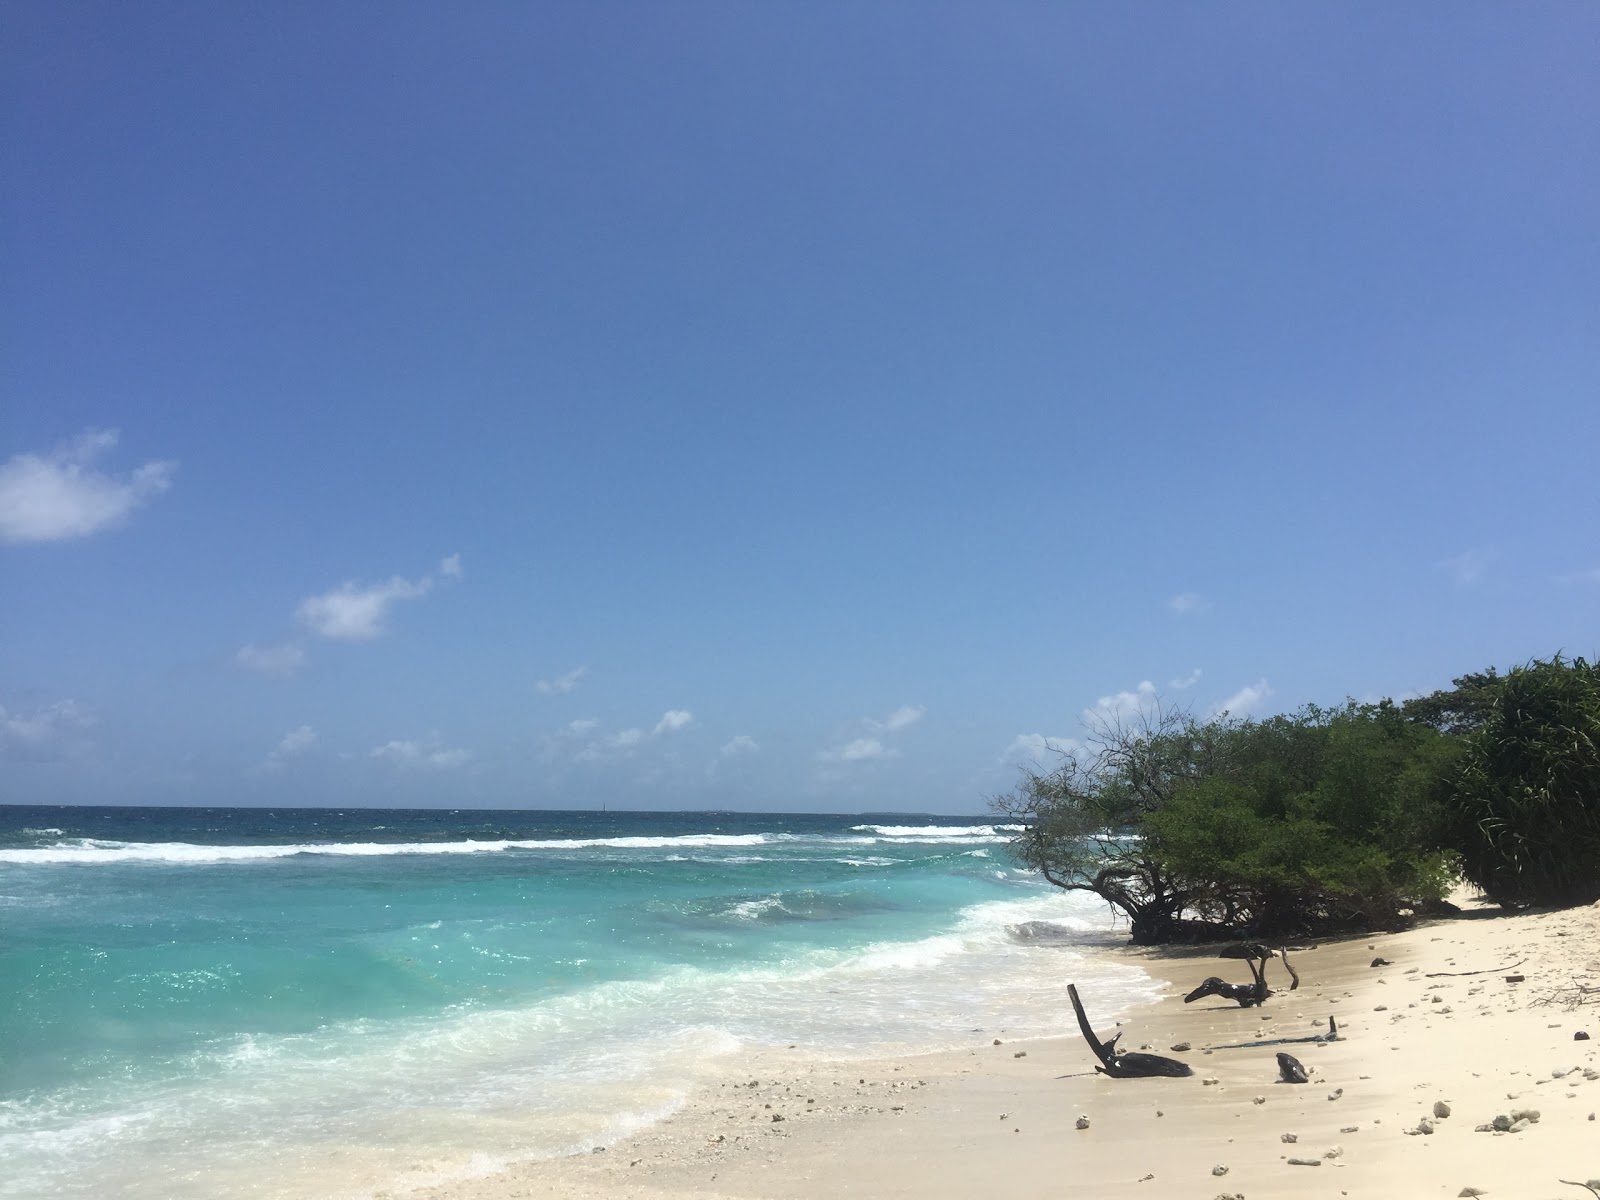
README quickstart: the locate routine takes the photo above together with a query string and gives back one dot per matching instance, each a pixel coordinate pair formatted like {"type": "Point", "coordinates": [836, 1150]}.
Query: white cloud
{"type": "Point", "coordinates": [450, 567]}
{"type": "Point", "coordinates": [59, 495]}
{"type": "Point", "coordinates": [1185, 603]}
{"type": "Point", "coordinates": [1188, 681]}
{"type": "Point", "coordinates": [872, 748]}
{"type": "Point", "coordinates": [295, 743]}
{"type": "Point", "coordinates": [44, 734]}
{"type": "Point", "coordinates": [742, 744]}
{"type": "Point", "coordinates": [582, 726]}
{"type": "Point", "coordinates": [672, 720]}
{"type": "Point", "coordinates": [1245, 701]}
{"type": "Point", "coordinates": [563, 684]}
{"type": "Point", "coordinates": [277, 662]}
{"type": "Point", "coordinates": [903, 717]}
{"type": "Point", "coordinates": [1467, 567]}
{"type": "Point", "coordinates": [1123, 706]}
{"type": "Point", "coordinates": [429, 754]}
{"type": "Point", "coordinates": [357, 614]}
{"type": "Point", "coordinates": [1039, 748]}
{"type": "Point", "coordinates": [626, 738]}
{"type": "Point", "coordinates": [866, 749]}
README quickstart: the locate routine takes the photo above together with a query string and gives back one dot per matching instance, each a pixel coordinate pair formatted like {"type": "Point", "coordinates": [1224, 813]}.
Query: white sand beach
{"type": "Point", "coordinates": [1419, 1037]}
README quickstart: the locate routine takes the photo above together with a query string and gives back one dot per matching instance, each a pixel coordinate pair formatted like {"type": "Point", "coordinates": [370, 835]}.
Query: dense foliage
{"type": "Point", "coordinates": [1526, 799]}
{"type": "Point", "coordinates": [1328, 819]}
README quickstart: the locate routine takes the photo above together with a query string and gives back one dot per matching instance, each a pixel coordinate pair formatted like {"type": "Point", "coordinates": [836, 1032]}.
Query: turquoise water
{"type": "Point", "coordinates": [212, 1002]}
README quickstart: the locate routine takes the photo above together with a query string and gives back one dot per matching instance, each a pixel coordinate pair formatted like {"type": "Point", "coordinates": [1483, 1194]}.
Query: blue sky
{"type": "Point", "coordinates": [771, 406]}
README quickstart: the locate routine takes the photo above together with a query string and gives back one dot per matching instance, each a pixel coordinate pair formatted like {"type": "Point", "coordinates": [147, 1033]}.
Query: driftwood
{"type": "Point", "coordinates": [1485, 971]}
{"type": "Point", "coordinates": [1291, 1069]}
{"type": "Point", "coordinates": [1331, 1036]}
{"type": "Point", "coordinates": [1133, 1064]}
{"type": "Point", "coordinates": [1246, 994]}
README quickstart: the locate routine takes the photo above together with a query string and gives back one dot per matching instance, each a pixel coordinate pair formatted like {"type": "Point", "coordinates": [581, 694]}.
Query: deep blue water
{"type": "Point", "coordinates": [239, 995]}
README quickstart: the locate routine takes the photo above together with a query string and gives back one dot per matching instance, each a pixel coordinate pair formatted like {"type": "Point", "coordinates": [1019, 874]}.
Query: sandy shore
{"type": "Point", "coordinates": [1003, 1116]}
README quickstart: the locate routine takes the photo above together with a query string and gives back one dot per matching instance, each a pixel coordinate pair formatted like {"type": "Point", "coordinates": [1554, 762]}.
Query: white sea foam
{"type": "Point", "coordinates": [94, 851]}
{"type": "Point", "coordinates": [940, 833]}
{"type": "Point", "coordinates": [471, 1090]}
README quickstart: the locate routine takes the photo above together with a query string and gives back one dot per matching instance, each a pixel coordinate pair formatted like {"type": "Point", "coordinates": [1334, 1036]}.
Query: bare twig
{"type": "Point", "coordinates": [1591, 1185]}
{"type": "Point", "coordinates": [1571, 997]}
{"type": "Point", "coordinates": [1485, 971]}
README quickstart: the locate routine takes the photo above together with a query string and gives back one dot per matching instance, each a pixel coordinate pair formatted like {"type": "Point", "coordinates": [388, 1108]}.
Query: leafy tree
{"type": "Point", "coordinates": [1084, 822]}
{"type": "Point", "coordinates": [1327, 818]}
{"type": "Point", "coordinates": [1527, 793]}
{"type": "Point", "coordinates": [1459, 709]}
{"type": "Point", "coordinates": [1323, 819]}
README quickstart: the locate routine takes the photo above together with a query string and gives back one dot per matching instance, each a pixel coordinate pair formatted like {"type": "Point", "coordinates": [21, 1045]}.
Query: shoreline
{"type": "Point", "coordinates": [1001, 1113]}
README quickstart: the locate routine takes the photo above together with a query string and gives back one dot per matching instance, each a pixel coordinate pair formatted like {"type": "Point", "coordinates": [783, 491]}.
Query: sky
{"type": "Point", "coordinates": [780, 406]}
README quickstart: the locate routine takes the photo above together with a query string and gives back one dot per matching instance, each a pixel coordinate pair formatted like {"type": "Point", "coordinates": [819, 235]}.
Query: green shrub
{"type": "Point", "coordinates": [1527, 794]}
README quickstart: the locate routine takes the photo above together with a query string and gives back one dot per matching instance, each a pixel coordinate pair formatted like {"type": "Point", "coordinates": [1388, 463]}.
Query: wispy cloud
{"type": "Point", "coordinates": [429, 754]}
{"type": "Point", "coordinates": [866, 741]}
{"type": "Point", "coordinates": [864, 749]}
{"type": "Point", "coordinates": [562, 684]}
{"type": "Point", "coordinates": [59, 495]}
{"type": "Point", "coordinates": [1188, 681]}
{"type": "Point", "coordinates": [673, 720]}
{"type": "Point", "coordinates": [903, 717]}
{"type": "Point", "coordinates": [1185, 603]}
{"type": "Point", "coordinates": [1039, 749]}
{"type": "Point", "coordinates": [1246, 701]}
{"type": "Point", "coordinates": [743, 744]}
{"type": "Point", "coordinates": [275, 662]}
{"type": "Point", "coordinates": [355, 613]}
{"type": "Point", "coordinates": [293, 744]}
{"type": "Point", "coordinates": [1123, 706]}
{"type": "Point", "coordinates": [581, 741]}
{"type": "Point", "coordinates": [46, 733]}
{"type": "Point", "coordinates": [1469, 566]}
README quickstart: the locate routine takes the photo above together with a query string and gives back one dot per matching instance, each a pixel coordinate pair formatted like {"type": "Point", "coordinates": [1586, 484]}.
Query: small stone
{"type": "Point", "coordinates": [1020, 1054]}
{"type": "Point", "coordinates": [1305, 1162]}
{"type": "Point", "coordinates": [1502, 1122]}
{"type": "Point", "coordinates": [1381, 1008]}
{"type": "Point", "coordinates": [1159, 1113]}
{"type": "Point", "coordinates": [1082, 1122]}
{"type": "Point", "coordinates": [1424, 1126]}
{"type": "Point", "coordinates": [1471, 1191]}
{"type": "Point", "coordinates": [1441, 1109]}
{"type": "Point", "coordinates": [598, 1150]}
{"type": "Point", "coordinates": [1219, 1170]}
{"type": "Point", "coordinates": [1180, 1047]}
{"type": "Point", "coordinates": [1290, 1138]}
{"type": "Point", "coordinates": [1519, 1126]}
{"type": "Point", "coordinates": [1530, 1115]}
{"type": "Point", "coordinates": [1559, 1072]}
{"type": "Point", "coordinates": [1486, 1128]}
{"type": "Point", "coordinates": [1580, 1036]}
{"type": "Point", "coordinates": [1210, 1081]}
{"type": "Point", "coordinates": [1259, 1100]}
{"type": "Point", "coordinates": [1349, 1129]}
{"type": "Point", "coordinates": [997, 1041]}
{"type": "Point", "coordinates": [776, 1117]}
{"type": "Point", "coordinates": [1334, 1152]}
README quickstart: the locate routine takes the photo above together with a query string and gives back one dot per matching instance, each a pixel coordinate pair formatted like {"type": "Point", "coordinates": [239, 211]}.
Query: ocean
{"type": "Point", "coordinates": [221, 1002]}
